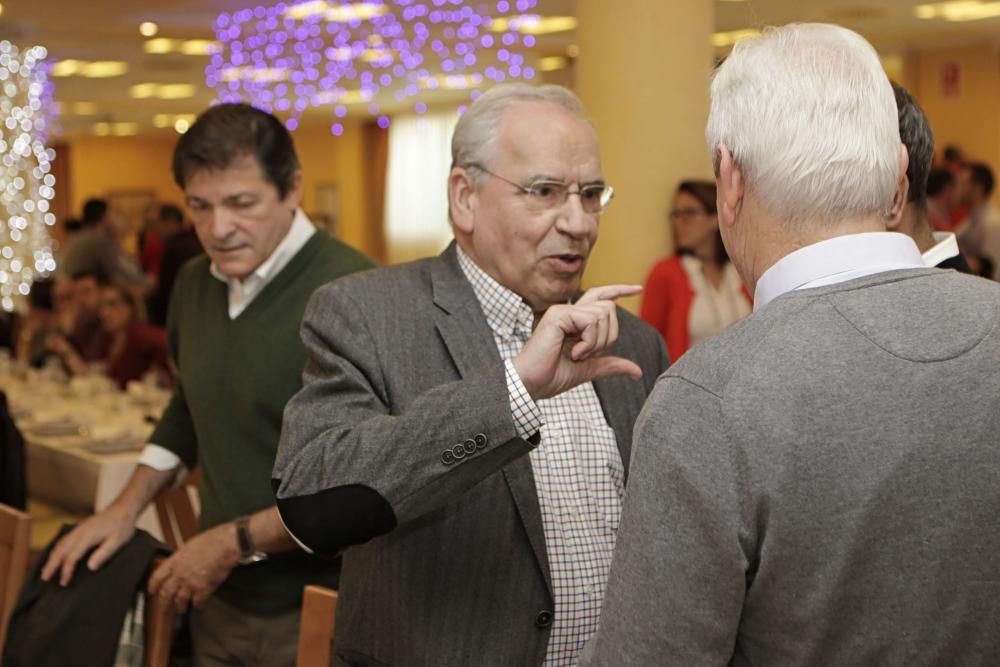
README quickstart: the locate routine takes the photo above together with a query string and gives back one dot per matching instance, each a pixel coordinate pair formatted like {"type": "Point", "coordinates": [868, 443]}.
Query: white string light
{"type": "Point", "coordinates": [27, 185]}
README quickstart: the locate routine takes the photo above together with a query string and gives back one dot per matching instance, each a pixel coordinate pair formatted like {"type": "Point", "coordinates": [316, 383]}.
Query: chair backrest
{"type": "Point", "coordinates": [159, 628]}
{"type": "Point", "coordinates": [14, 545]}
{"type": "Point", "coordinates": [319, 612]}
{"type": "Point", "coordinates": [177, 511]}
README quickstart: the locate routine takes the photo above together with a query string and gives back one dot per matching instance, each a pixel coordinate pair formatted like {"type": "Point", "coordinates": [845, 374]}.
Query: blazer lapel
{"type": "Point", "coordinates": [467, 336]}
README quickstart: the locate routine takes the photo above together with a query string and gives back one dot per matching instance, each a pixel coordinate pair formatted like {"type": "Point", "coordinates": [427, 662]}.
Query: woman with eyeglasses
{"type": "Point", "coordinates": [696, 293]}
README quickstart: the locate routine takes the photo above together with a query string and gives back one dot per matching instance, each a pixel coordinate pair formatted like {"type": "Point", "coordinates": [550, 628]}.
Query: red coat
{"type": "Point", "coordinates": [666, 304]}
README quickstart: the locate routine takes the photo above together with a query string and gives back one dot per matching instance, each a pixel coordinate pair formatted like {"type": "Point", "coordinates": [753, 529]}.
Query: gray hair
{"type": "Point", "coordinates": [810, 118]}
{"type": "Point", "coordinates": [476, 134]}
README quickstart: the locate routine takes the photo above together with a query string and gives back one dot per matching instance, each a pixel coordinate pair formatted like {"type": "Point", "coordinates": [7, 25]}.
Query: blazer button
{"type": "Point", "coordinates": [480, 440]}
{"type": "Point", "coordinates": [447, 457]}
{"type": "Point", "coordinates": [458, 451]}
{"type": "Point", "coordinates": [544, 619]}
{"type": "Point", "coordinates": [469, 446]}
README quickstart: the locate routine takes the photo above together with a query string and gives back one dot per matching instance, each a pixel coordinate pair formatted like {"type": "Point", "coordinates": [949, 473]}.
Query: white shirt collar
{"type": "Point", "coordinates": [835, 261]}
{"type": "Point", "coordinates": [945, 247]}
{"type": "Point", "coordinates": [243, 292]}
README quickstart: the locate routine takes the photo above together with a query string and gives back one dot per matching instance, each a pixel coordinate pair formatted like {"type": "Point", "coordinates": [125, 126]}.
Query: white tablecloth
{"type": "Point", "coordinates": [83, 438]}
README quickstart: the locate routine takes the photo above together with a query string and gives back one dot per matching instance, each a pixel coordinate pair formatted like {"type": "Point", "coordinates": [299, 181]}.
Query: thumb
{"type": "Point", "coordinates": [603, 367]}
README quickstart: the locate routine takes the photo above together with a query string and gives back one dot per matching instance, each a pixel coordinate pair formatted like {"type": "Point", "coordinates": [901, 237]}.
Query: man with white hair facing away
{"type": "Point", "coordinates": [802, 490]}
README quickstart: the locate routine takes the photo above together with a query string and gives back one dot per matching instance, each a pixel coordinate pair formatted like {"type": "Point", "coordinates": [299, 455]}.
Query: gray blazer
{"type": "Point", "coordinates": [403, 375]}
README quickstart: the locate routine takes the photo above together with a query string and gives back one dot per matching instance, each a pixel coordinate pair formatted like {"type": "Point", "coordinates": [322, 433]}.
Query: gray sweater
{"type": "Point", "coordinates": [820, 485]}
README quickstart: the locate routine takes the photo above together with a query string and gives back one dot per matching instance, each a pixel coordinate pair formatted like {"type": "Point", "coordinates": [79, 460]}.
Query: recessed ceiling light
{"type": "Point", "coordinates": [161, 120]}
{"type": "Point", "coordinates": [552, 63]}
{"type": "Point", "coordinates": [158, 45]}
{"type": "Point", "coordinates": [181, 125]}
{"type": "Point", "coordinates": [103, 69]}
{"type": "Point", "coordinates": [722, 39]}
{"type": "Point", "coordinates": [84, 108]}
{"type": "Point", "coordinates": [163, 91]}
{"type": "Point", "coordinates": [532, 24]}
{"type": "Point", "coordinates": [199, 47]}
{"type": "Point", "coordinates": [148, 29]}
{"type": "Point", "coordinates": [961, 10]}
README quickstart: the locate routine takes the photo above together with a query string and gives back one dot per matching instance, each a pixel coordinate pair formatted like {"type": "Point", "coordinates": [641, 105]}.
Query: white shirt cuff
{"type": "Point", "coordinates": [159, 458]}
{"type": "Point", "coordinates": [527, 417]}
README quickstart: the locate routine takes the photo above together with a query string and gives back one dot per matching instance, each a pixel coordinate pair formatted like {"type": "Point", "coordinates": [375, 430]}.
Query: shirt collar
{"type": "Point", "coordinates": [505, 311]}
{"type": "Point", "coordinates": [299, 233]}
{"type": "Point", "coordinates": [945, 247]}
{"type": "Point", "coordinates": [837, 260]}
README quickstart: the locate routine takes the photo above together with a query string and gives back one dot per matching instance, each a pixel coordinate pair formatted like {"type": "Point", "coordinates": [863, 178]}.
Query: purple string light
{"type": "Point", "coordinates": [292, 56]}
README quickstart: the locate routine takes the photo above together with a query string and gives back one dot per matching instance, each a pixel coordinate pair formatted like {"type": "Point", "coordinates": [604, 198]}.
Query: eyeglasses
{"type": "Point", "coordinates": [685, 214]}
{"type": "Point", "coordinates": [547, 195]}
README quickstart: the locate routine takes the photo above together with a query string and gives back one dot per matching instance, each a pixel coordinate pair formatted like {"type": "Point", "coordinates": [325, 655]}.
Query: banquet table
{"type": "Point", "coordinates": [83, 436]}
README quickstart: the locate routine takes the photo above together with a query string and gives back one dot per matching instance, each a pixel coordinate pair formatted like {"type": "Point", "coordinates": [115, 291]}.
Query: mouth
{"type": "Point", "coordinates": [566, 263]}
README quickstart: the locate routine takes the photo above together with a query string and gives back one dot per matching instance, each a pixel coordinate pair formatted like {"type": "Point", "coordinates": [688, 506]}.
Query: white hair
{"type": "Point", "coordinates": [475, 137]}
{"type": "Point", "coordinates": [810, 118]}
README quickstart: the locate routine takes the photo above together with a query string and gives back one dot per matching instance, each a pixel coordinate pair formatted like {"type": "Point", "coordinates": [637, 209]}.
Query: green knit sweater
{"type": "Point", "coordinates": [234, 378]}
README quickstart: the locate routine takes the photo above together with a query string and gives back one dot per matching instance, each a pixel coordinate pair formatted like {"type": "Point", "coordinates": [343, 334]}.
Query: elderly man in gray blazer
{"type": "Point", "coordinates": [465, 421]}
{"type": "Point", "coordinates": [818, 485]}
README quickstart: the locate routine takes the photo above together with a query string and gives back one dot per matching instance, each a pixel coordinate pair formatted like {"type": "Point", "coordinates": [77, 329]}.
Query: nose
{"type": "Point", "coordinates": [220, 223]}
{"type": "Point", "coordinates": [573, 220]}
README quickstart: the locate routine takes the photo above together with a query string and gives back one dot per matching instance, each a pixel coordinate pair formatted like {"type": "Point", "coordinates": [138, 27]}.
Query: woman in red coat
{"type": "Point", "coordinates": [696, 293]}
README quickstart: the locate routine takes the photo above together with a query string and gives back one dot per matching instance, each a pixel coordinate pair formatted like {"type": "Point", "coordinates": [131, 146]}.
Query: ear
{"type": "Point", "coordinates": [462, 199]}
{"type": "Point", "coordinates": [293, 198]}
{"type": "Point", "coordinates": [895, 216]}
{"type": "Point", "coordinates": [731, 187]}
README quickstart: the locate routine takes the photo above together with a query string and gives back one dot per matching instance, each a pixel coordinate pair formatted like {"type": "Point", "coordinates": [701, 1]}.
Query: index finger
{"type": "Point", "coordinates": [609, 292]}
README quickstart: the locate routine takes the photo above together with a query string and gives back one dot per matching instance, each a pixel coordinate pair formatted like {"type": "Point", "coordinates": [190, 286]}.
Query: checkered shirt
{"type": "Point", "coordinates": [578, 474]}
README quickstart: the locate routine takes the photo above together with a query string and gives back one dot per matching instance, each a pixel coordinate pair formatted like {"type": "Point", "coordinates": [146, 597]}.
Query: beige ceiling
{"type": "Point", "coordinates": [108, 30]}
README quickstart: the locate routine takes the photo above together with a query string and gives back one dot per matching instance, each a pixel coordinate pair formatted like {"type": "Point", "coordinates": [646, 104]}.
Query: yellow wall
{"type": "Point", "coordinates": [970, 119]}
{"type": "Point", "coordinates": [100, 166]}
{"type": "Point", "coordinates": [340, 161]}
{"type": "Point", "coordinates": [644, 81]}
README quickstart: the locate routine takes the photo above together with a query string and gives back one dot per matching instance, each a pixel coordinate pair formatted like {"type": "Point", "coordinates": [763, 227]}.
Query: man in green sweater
{"type": "Point", "coordinates": [233, 329]}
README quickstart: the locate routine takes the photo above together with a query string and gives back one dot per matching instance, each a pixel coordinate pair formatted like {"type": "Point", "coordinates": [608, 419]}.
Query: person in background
{"type": "Point", "coordinates": [130, 347]}
{"type": "Point", "coordinates": [695, 293]}
{"type": "Point", "coordinates": [942, 195]}
{"type": "Point", "coordinates": [979, 234]}
{"type": "Point", "coordinates": [939, 249]}
{"type": "Point", "coordinates": [233, 329]}
{"type": "Point", "coordinates": [150, 241]}
{"type": "Point", "coordinates": [819, 484]}
{"type": "Point", "coordinates": [37, 324]}
{"type": "Point", "coordinates": [95, 249]}
{"type": "Point", "coordinates": [180, 243]}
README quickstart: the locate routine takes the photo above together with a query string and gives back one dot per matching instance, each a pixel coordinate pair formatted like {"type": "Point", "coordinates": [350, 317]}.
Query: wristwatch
{"type": "Point", "coordinates": [248, 550]}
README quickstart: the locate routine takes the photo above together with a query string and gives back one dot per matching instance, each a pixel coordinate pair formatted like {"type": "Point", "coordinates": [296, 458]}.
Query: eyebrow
{"type": "Point", "coordinates": [534, 178]}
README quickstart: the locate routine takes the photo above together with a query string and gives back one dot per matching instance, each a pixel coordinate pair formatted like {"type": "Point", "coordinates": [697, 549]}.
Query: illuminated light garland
{"type": "Point", "coordinates": [292, 56]}
{"type": "Point", "coordinates": [26, 109]}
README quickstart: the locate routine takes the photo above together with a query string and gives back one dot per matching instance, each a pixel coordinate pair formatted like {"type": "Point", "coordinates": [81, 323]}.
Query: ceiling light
{"type": "Point", "coordinates": [722, 39]}
{"type": "Point", "coordinates": [163, 91]}
{"type": "Point", "coordinates": [962, 10]}
{"type": "Point", "coordinates": [260, 75]}
{"type": "Point", "coordinates": [552, 63]}
{"type": "Point", "coordinates": [176, 91]}
{"type": "Point", "coordinates": [161, 120]}
{"type": "Point", "coordinates": [1, 9]}
{"type": "Point", "coordinates": [158, 45]}
{"type": "Point", "coordinates": [199, 47]}
{"type": "Point", "coordinates": [336, 12]}
{"type": "Point", "coordinates": [148, 29]}
{"type": "Point", "coordinates": [124, 129]}
{"type": "Point", "coordinates": [142, 91]}
{"type": "Point", "coordinates": [103, 69]}
{"type": "Point", "coordinates": [532, 24]}
{"type": "Point", "coordinates": [67, 67]}
{"type": "Point", "coordinates": [181, 125]}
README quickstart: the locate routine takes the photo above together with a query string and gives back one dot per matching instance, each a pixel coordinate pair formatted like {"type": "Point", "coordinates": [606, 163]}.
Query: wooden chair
{"type": "Point", "coordinates": [177, 513]}
{"type": "Point", "coordinates": [319, 612]}
{"type": "Point", "coordinates": [159, 628]}
{"type": "Point", "coordinates": [14, 546]}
